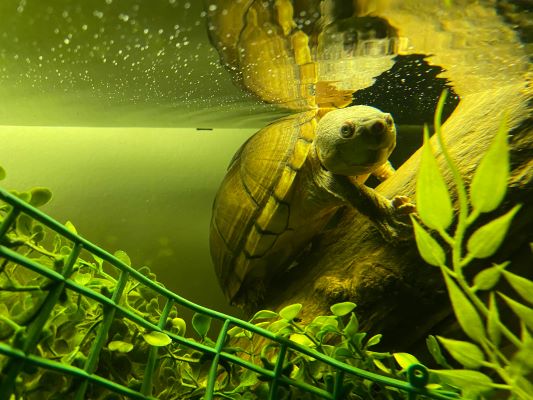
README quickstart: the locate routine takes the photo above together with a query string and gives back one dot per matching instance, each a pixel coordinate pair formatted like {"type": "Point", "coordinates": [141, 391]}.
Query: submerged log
{"type": "Point", "coordinates": [396, 293]}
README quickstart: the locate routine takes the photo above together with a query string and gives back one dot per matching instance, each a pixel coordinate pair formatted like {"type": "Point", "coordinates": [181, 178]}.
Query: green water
{"type": "Point", "coordinates": [147, 191]}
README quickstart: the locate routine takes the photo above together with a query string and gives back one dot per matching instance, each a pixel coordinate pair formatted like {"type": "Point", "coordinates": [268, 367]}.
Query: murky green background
{"type": "Point", "coordinates": [100, 101]}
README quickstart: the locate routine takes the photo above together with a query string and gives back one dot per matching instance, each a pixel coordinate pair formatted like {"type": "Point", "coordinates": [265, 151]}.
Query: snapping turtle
{"type": "Point", "coordinates": [286, 182]}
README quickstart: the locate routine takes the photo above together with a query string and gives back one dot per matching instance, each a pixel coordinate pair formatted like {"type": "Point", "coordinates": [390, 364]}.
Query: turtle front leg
{"type": "Point", "coordinates": [384, 171]}
{"type": "Point", "coordinates": [389, 216]}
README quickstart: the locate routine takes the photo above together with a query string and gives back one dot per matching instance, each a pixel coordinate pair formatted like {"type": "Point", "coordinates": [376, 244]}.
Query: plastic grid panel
{"type": "Point", "coordinates": [23, 354]}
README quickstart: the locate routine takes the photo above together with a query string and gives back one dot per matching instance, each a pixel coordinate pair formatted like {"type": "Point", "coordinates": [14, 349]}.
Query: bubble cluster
{"type": "Point", "coordinates": [124, 52]}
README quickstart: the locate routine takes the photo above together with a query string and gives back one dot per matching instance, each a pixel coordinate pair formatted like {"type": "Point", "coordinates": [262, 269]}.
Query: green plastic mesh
{"type": "Point", "coordinates": [58, 287]}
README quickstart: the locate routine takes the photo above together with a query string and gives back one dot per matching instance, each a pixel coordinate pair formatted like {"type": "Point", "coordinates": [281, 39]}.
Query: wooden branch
{"type": "Point", "coordinates": [396, 292]}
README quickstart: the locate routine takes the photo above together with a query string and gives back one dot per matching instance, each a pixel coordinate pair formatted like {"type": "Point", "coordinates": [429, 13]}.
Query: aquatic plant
{"type": "Point", "coordinates": [73, 324]}
{"type": "Point", "coordinates": [492, 346]}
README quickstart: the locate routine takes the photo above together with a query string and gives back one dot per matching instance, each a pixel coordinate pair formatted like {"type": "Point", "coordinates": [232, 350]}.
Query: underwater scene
{"type": "Point", "coordinates": [266, 199]}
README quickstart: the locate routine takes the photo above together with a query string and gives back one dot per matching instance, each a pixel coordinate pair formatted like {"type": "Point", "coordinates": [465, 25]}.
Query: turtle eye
{"type": "Point", "coordinates": [347, 129]}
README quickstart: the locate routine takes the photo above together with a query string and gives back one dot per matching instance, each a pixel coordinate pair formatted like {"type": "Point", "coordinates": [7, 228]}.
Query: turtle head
{"type": "Point", "coordinates": [355, 140]}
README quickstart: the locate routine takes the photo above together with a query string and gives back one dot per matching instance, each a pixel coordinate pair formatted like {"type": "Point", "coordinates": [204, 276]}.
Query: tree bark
{"type": "Point", "coordinates": [396, 293]}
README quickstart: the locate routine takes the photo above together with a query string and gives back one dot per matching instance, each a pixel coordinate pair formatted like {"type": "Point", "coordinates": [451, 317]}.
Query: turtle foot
{"type": "Point", "coordinates": [403, 205]}
{"type": "Point", "coordinates": [396, 225]}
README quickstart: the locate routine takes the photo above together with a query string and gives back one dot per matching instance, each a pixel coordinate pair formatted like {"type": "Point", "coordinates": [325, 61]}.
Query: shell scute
{"type": "Point", "coordinates": [252, 207]}
{"type": "Point", "coordinates": [258, 243]}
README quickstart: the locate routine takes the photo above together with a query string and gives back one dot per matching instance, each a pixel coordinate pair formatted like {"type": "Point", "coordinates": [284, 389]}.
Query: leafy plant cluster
{"type": "Point", "coordinates": [337, 336]}
{"type": "Point", "coordinates": [181, 372]}
{"type": "Point", "coordinates": [494, 357]}
{"type": "Point", "coordinates": [71, 328]}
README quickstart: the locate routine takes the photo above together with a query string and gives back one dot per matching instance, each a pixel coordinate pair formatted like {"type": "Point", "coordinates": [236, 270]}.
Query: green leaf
{"type": "Point", "coordinates": [263, 314]}
{"type": "Point", "coordinates": [465, 312]}
{"type": "Point", "coordinates": [405, 359]}
{"type": "Point", "coordinates": [522, 361]}
{"type": "Point", "coordinates": [24, 196]}
{"type": "Point", "coordinates": [123, 256]}
{"type": "Point", "coordinates": [201, 324]}
{"type": "Point", "coordinates": [374, 340]}
{"type": "Point", "coordinates": [342, 309]}
{"type": "Point", "coordinates": [2, 173]}
{"type": "Point", "coordinates": [157, 339]}
{"type": "Point", "coordinates": [278, 326]}
{"type": "Point", "coordinates": [352, 326]}
{"type": "Point", "coordinates": [323, 320]}
{"type": "Point", "coordinates": [523, 286]}
{"type": "Point", "coordinates": [320, 322]}
{"type": "Point", "coordinates": [525, 336]}
{"type": "Point", "coordinates": [236, 332]}
{"type": "Point", "coordinates": [120, 346]}
{"type": "Point", "coordinates": [180, 325]}
{"type": "Point", "coordinates": [434, 349]}
{"type": "Point", "coordinates": [524, 312]}
{"type": "Point", "coordinates": [290, 312]}
{"type": "Point", "coordinates": [40, 196]}
{"type": "Point", "coordinates": [433, 201]}
{"type": "Point", "coordinates": [342, 353]}
{"type": "Point", "coordinates": [493, 319]}
{"type": "Point", "coordinates": [247, 378]}
{"type": "Point", "coordinates": [98, 260]}
{"type": "Point", "coordinates": [325, 330]}
{"type": "Point", "coordinates": [466, 353]}
{"type": "Point", "coordinates": [81, 278]}
{"type": "Point", "coordinates": [381, 366]}
{"type": "Point", "coordinates": [464, 378]}
{"type": "Point", "coordinates": [428, 247]}
{"type": "Point", "coordinates": [301, 339]}
{"type": "Point", "coordinates": [70, 226]}
{"type": "Point", "coordinates": [489, 183]}
{"type": "Point", "coordinates": [488, 278]}
{"type": "Point", "coordinates": [486, 240]}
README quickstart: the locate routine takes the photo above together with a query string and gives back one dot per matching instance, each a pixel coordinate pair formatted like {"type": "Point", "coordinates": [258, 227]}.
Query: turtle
{"type": "Point", "coordinates": [286, 182]}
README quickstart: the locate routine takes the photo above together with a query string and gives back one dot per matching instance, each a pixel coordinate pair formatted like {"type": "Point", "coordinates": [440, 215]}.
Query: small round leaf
{"type": "Point", "coordinates": [264, 314]}
{"type": "Point", "coordinates": [201, 324]}
{"type": "Point", "coordinates": [123, 256]}
{"type": "Point", "coordinates": [342, 309]}
{"type": "Point", "coordinates": [157, 339]}
{"type": "Point", "coordinates": [290, 312]}
{"type": "Point", "coordinates": [180, 325]}
{"type": "Point", "coordinates": [40, 196]}
{"type": "Point", "coordinates": [120, 346]}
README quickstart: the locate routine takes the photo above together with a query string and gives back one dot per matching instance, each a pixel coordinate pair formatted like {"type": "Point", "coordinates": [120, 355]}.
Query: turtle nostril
{"type": "Point", "coordinates": [378, 128]}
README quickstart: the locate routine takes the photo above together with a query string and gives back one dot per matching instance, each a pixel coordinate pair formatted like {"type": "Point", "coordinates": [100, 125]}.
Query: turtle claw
{"type": "Point", "coordinates": [403, 205]}
{"type": "Point", "coordinates": [396, 225]}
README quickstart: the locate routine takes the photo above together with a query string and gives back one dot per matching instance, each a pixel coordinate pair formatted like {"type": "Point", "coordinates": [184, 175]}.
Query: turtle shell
{"type": "Point", "coordinates": [252, 208]}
